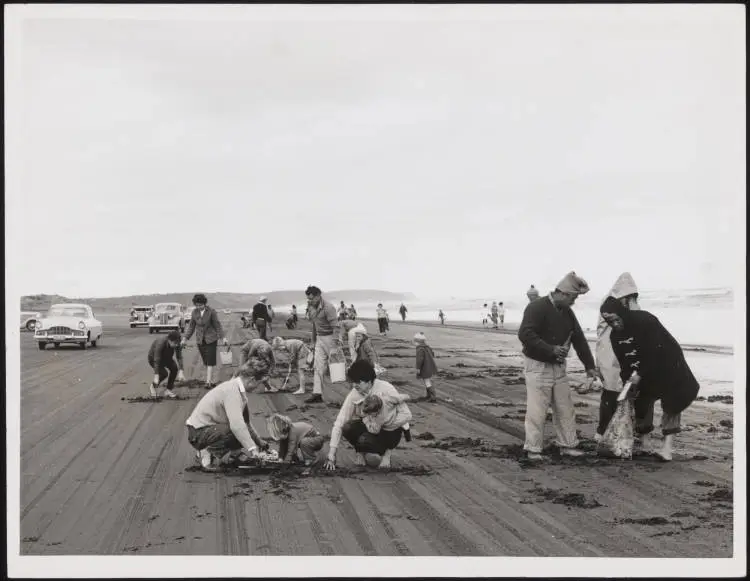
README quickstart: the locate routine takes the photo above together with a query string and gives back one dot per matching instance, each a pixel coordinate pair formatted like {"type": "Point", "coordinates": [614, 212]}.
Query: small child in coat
{"type": "Point", "coordinates": [426, 367]}
{"type": "Point", "coordinates": [298, 441]}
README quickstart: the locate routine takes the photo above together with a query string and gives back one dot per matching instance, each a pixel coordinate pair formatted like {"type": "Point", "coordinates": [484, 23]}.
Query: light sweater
{"type": "Point", "coordinates": [224, 405]}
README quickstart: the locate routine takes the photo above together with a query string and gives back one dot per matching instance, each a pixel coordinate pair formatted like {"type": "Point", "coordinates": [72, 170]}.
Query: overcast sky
{"type": "Point", "coordinates": [447, 156]}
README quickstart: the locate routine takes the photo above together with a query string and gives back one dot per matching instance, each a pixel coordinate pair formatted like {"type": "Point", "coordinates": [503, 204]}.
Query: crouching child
{"type": "Point", "coordinates": [298, 354]}
{"type": "Point", "coordinates": [219, 428]}
{"type": "Point", "coordinates": [161, 358]}
{"type": "Point", "coordinates": [299, 442]}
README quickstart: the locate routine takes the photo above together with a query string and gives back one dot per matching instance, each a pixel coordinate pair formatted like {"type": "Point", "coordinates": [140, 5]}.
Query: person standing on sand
{"type": "Point", "coordinates": [493, 314]}
{"type": "Point", "coordinates": [294, 314]}
{"type": "Point", "coordinates": [532, 293]}
{"type": "Point", "coordinates": [262, 318]}
{"type": "Point", "coordinates": [161, 358]}
{"type": "Point", "coordinates": [382, 316]}
{"type": "Point", "coordinates": [298, 353]}
{"type": "Point", "coordinates": [501, 313]}
{"type": "Point", "coordinates": [382, 432]}
{"type": "Point", "coordinates": [352, 312]}
{"type": "Point", "coordinates": [485, 315]}
{"type": "Point", "coordinates": [342, 311]}
{"type": "Point", "coordinates": [625, 291]}
{"type": "Point", "coordinates": [220, 423]}
{"type": "Point", "coordinates": [205, 323]}
{"type": "Point", "coordinates": [403, 310]}
{"type": "Point", "coordinates": [325, 338]}
{"type": "Point", "coordinates": [426, 367]}
{"type": "Point", "coordinates": [262, 350]}
{"type": "Point", "coordinates": [441, 316]}
{"type": "Point", "coordinates": [653, 361]}
{"type": "Point", "coordinates": [547, 329]}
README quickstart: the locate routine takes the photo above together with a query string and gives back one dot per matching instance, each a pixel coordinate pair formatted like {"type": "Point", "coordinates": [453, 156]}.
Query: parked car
{"type": "Point", "coordinates": [139, 316]}
{"type": "Point", "coordinates": [69, 323]}
{"type": "Point", "coordinates": [227, 311]}
{"type": "Point", "coordinates": [167, 317]}
{"type": "Point", "coordinates": [188, 314]}
{"type": "Point", "coordinates": [29, 320]}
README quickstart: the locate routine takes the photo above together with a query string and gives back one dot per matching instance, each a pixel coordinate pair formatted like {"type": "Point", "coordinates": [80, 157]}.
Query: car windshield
{"type": "Point", "coordinates": [142, 309]}
{"type": "Point", "coordinates": [67, 312]}
{"type": "Point", "coordinates": [166, 307]}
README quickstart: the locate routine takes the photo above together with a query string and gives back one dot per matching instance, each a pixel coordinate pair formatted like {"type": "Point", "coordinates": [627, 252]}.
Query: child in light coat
{"type": "Point", "coordinates": [298, 441]}
{"type": "Point", "coordinates": [426, 367]}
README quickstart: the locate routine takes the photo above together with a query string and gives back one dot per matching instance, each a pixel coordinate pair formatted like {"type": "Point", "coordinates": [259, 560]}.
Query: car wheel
{"type": "Point", "coordinates": [132, 326]}
{"type": "Point", "coordinates": [42, 345]}
{"type": "Point", "coordinates": [93, 343]}
{"type": "Point", "coordinates": [57, 345]}
{"type": "Point", "coordinates": [84, 345]}
{"type": "Point", "coordinates": [150, 331]}
{"type": "Point", "coordinates": [30, 325]}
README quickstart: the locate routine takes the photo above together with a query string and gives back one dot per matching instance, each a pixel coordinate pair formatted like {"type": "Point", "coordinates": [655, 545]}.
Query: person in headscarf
{"type": "Point", "coordinates": [653, 361]}
{"type": "Point", "coordinates": [426, 367]}
{"type": "Point", "coordinates": [346, 331]}
{"type": "Point", "coordinates": [532, 293]}
{"type": "Point", "coordinates": [363, 348]}
{"type": "Point", "coordinates": [547, 330]}
{"type": "Point", "coordinates": [625, 291]}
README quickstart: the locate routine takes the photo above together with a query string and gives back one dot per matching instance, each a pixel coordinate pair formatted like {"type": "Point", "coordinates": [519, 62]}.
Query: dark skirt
{"type": "Point", "coordinates": [208, 353]}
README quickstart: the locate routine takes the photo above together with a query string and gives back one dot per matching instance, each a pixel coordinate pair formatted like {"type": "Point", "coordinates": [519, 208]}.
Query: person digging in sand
{"type": "Point", "coordinates": [298, 441]}
{"type": "Point", "coordinates": [219, 427]}
{"type": "Point", "coordinates": [260, 349]}
{"type": "Point", "coordinates": [298, 353]}
{"type": "Point", "coordinates": [426, 367]}
{"type": "Point", "coordinates": [547, 329]}
{"type": "Point", "coordinates": [625, 291]}
{"type": "Point", "coordinates": [161, 357]}
{"type": "Point", "coordinates": [653, 361]}
{"type": "Point", "coordinates": [205, 323]}
{"type": "Point", "coordinates": [349, 423]}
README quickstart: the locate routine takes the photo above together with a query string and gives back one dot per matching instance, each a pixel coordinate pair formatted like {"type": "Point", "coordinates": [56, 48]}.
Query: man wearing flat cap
{"type": "Point", "coordinates": [547, 330]}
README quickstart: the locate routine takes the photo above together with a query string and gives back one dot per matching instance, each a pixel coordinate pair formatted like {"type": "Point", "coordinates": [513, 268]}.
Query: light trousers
{"type": "Point", "coordinates": [547, 384]}
{"type": "Point", "coordinates": [324, 345]}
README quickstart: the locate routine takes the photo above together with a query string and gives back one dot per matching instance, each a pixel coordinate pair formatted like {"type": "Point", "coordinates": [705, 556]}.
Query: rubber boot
{"type": "Point", "coordinates": [666, 451]}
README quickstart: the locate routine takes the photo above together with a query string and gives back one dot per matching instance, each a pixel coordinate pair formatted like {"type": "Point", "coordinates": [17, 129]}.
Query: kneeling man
{"type": "Point", "coordinates": [374, 426]}
{"type": "Point", "coordinates": [220, 423]}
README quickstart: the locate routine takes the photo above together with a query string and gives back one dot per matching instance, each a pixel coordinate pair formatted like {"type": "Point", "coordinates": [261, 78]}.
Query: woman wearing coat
{"type": "Point", "coordinates": [208, 330]}
{"type": "Point", "coordinates": [653, 361]}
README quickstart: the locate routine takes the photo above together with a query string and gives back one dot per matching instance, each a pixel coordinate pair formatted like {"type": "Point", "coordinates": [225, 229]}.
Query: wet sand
{"type": "Point", "coordinates": [105, 473]}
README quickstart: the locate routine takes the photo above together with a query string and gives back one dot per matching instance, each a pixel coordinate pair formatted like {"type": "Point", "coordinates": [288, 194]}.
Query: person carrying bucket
{"type": "Point", "coordinates": [325, 336]}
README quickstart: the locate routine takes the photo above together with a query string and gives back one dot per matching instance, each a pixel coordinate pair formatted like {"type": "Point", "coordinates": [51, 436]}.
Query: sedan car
{"type": "Point", "coordinates": [139, 316]}
{"type": "Point", "coordinates": [167, 317]}
{"type": "Point", "coordinates": [69, 323]}
{"type": "Point", "coordinates": [29, 320]}
{"type": "Point", "coordinates": [188, 314]}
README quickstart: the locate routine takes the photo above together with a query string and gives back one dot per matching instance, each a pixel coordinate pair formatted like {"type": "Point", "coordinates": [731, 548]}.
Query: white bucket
{"type": "Point", "coordinates": [226, 357]}
{"type": "Point", "coordinates": [337, 367]}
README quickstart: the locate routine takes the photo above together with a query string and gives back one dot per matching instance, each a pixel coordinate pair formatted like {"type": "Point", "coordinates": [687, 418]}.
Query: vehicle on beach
{"type": "Point", "coordinates": [29, 319]}
{"type": "Point", "coordinates": [139, 316]}
{"type": "Point", "coordinates": [227, 311]}
{"type": "Point", "coordinates": [68, 323]}
{"type": "Point", "coordinates": [188, 314]}
{"type": "Point", "coordinates": [167, 317]}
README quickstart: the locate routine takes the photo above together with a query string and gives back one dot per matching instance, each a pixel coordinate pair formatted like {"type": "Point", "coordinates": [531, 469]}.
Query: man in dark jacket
{"type": "Point", "coordinates": [262, 318]}
{"type": "Point", "coordinates": [547, 330]}
{"type": "Point", "coordinates": [653, 361]}
{"type": "Point", "coordinates": [161, 358]}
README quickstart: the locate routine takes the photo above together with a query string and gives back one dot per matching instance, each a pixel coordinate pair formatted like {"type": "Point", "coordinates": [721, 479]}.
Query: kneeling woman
{"type": "Point", "coordinates": [653, 361]}
{"type": "Point", "coordinates": [382, 433]}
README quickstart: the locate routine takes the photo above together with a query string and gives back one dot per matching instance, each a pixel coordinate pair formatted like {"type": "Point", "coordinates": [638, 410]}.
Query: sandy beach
{"type": "Point", "coordinates": [104, 473]}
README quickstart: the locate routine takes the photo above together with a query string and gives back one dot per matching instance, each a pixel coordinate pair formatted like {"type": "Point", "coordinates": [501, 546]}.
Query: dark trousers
{"type": "Point", "coordinates": [364, 442]}
{"type": "Point", "coordinates": [260, 324]}
{"type": "Point", "coordinates": [218, 439]}
{"type": "Point", "coordinates": [383, 325]}
{"type": "Point", "coordinates": [166, 369]}
{"type": "Point", "coordinates": [607, 407]}
{"type": "Point", "coordinates": [644, 418]}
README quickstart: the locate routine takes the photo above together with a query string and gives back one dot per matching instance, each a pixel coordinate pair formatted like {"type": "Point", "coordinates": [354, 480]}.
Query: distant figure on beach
{"type": "Point", "coordinates": [220, 424]}
{"type": "Point", "coordinates": [342, 311]}
{"type": "Point", "coordinates": [547, 330]}
{"type": "Point", "coordinates": [205, 323]}
{"type": "Point", "coordinates": [485, 315]}
{"type": "Point", "coordinates": [260, 349]}
{"type": "Point", "coordinates": [324, 336]}
{"type": "Point", "coordinates": [352, 312]}
{"type": "Point", "coordinates": [532, 293]}
{"type": "Point", "coordinates": [426, 367]}
{"type": "Point", "coordinates": [441, 316]}
{"type": "Point", "coordinates": [262, 318]}
{"type": "Point", "coordinates": [161, 358]}
{"type": "Point", "coordinates": [298, 353]}
{"type": "Point", "coordinates": [369, 425]}
{"type": "Point", "coordinates": [625, 291]}
{"type": "Point", "coordinates": [653, 361]}
{"type": "Point", "coordinates": [402, 310]}
{"type": "Point", "coordinates": [493, 314]}
{"type": "Point", "coordinates": [382, 316]}
{"type": "Point", "coordinates": [294, 314]}
{"type": "Point", "coordinates": [501, 313]}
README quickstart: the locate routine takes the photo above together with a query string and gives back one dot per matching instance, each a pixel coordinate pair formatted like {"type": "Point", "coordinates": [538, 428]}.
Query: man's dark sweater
{"type": "Point", "coordinates": [260, 311]}
{"type": "Point", "coordinates": [161, 353]}
{"type": "Point", "coordinates": [545, 326]}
